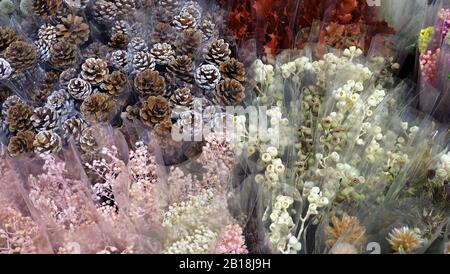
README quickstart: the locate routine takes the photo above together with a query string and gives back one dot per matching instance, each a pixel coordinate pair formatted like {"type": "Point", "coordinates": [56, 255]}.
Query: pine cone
{"type": "Point", "coordinates": [132, 112]}
{"type": "Point", "coordinates": [208, 29]}
{"type": "Point", "coordinates": [88, 144]}
{"type": "Point", "coordinates": [18, 117]}
{"type": "Point", "coordinates": [188, 42]}
{"type": "Point", "coordinates": [124, 6]}
{"type": "Point", "coordinates": [44, 118]}
{"type": "Point", "coordinates": [164, 32]}
{"type": "Point", "coordinates": [228, 92]}
{"type": "Point", "coordinates": [182, 97]}
{"type": "Point", "coordinates": [5, 92]}
{"type": "Point", "coordinates": [66, 76]}
{"type": "Point", "coordinates": [193, 8]}
{"type": "Point", "coordinates": [96, 50]}
{"type": "Point", "coordinates": [47, 33]}
{"type": "Point", "coordinates": [142, 61]}
{"type": "Point", "coordinates": [94, 71]}
{"type": "Point", "coordinates": [73, 29]}
{"type": "Point", "coordinates": [120, 26]}
{"type": "Point", "coordinates": [73, 127]}
{"type": "Point", "coordinates": [46, 142]}
{"type": "Point", "coordinates": [79, 89]}
{"type": "Point", "coordinates": [119, 60]}
{"type": "Point", "coordinates": [9, 102]}
{"type": "Point", "coordinates": [61, 102]}
{"type": "Point", "coordinates": [105, 11]}
{"type": "Point", "coordinates": [184, 21]}
{"type": "Point", "coordinates": [96, 107]}
{"type": "Point", "coordinates": [137, 44]}
{"type": "Point", "coordinates": [20, 55]}
{"type": "Point", "coordinates": [182, 68]}
{"type": "Point", "coordinates": [48, 83]}
{"type": "Point", "coordinates": [163, 53]}
{"type": "Point", "coordinates": [63, 55]}
{"type": "Point", "coordinates": [164, 128]}
{"type": "Point", "coordinates": [167, 4]}
{"type": "Point", "coordinates": [207, 77]}
{"type": "Point", "coordinates": [118, 40]}
{"type": "Point", "coordinates": [7, 37]}
{"type": "Point", "coordinates": [45, 8]}
{"type": "Point", "coordinates": [149, 83]}
{"type": "Point", "coordinates": [42, 50]}
{"type": "Point", "coordinates": [5, 69]}
{"type": "Point", "coordinates": [114, 83]}
{"type": "Point", "coordinates": [217, 52]}
{"type": "Point", "coordinates": [155, 110]}
{"type": "Point", "coordinates": [21, 143]}
{"type": "Point", "coordinates": [232, 69]}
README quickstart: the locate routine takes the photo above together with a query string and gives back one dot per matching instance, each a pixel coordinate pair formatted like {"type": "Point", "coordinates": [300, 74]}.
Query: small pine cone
{"type": "Point", "coordinates": [5, 69]}
{"type": "Point", "coordinates": [119, 59]}
{"type": "Point", "coordinates": [7, 37]}
{"type": "Point", "coordinates": [164, 32]}
{"type": "Point", "coordinates": [77, 4]}
{"type": "Point", "coordinates": [96, 50]}
{"type": "Point", "coordinates": [79, 89]}
{"type": "Point", "coordinates": [188, 42]}
{"type": "Point", "coordinates": [18, 117]}
{"type": "Point", "coordinates": [118, 40]}
{"type": "Point", "coordinates": [149, 83]}
{"type": "Point", "coordinates": [96, 107]}
{"type": "Point", "coordinates": [120, 26]}
{"type": "Point", "coordinates": [66, 76]}
{"type": "Point", "coordinates": [88, 144]}
{"type": "Point", "coordinates": [21, 55]}
{"type": "Point", "coordinates": [60, 101]}
{"type": "Point", "coordinates": [207, 77]}
{"type": "Point", "coordinates": [142, 61]}
{"type": "Point", "coordinates": [184, 21]}
{"type": "Point", "coordinates": [73, 127]}
{"type": "Point", "coordinates": [47, 33]}
{"type": "Point", "coordinates": [182, 97]}
{"type": "Point", "coordinates": [9, 102]}
{"type": "Point", "coordinates": [163, 53]}
{"type": "Point", "coordinates": [182, 68]}
{"type": "Point", "coordinates": [94, 71]}
{"type": "Point", "coordinates": [5, 92]}
{"type": "Point", "coordinates": [45, 8]}
{"type": "Point", "coordinates": [163, 128]}
{"type": "Point", "coordinates": [44, 118]}
{"type": "Point", "coordinates": [132, 112]}
{"type": "Point", "coordinates": [46, 142]}
{"type": "Point", "coordinates": [42, 50]}
{"type": "Point", "coordinates": [63, 55]}
{"type": "Point", "coordinates": [21, 143]}
{"type": "Point", "coordinates": [228, 92]}
{"type": "Point", "coordinates": [193, 8]}
{"type": "Point", "coordinates": [114, 83]}
{"type": "Point", "coordinates": [233, 69]}
{"type": "Point", "coordinates": [73, 29]}
{"type": "Point", "coordinates": [217, 52]}
{"type": "Point", "coordinates": [167, 4]}
{"type": "Point", "coordinates": [137, 44]}
{"type": "Point", "coordinates": [208, 29]}
{"type": "Point", "coordinates": [155, 110]}
{"type": "Point", "coordinates": [105, 11]}
{"type": "Point", "coordinates": [46, 86]}
{"type": "Point", "coordinates": [124, 6]}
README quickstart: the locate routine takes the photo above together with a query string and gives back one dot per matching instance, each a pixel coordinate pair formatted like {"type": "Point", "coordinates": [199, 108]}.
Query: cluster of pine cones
{"type": "Point", "coordinates": [81, 63]}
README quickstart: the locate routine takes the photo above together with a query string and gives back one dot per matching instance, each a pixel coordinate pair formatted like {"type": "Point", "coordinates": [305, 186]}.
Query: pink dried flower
{"type": "Point", "coordinates": [428, 62]}
{"type": "Point", "coordinates": [231, 241]}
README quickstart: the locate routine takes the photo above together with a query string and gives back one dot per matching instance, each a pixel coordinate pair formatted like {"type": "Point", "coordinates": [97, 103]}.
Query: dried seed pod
{"type": "Point", "coordinates": [61, 102]}
{"type": "Point", "coordinates": [182, 97]}
{"type": "Point", "coordinates": [44, 118]}
{"type": "Point", "coordinates": [119, 60]}
{"type": "Point", "coordinates": [96, 107]}
{"type": "Point", "coordinates": [79, 89]}
{"type": "Point", "coordinates": [66, 76]}
{"type": "Point", "coordinates": [118, 40]}
{"type": "Point", "coordinates": [149, 83]}
{"type": "Point", "coordinates": [94, 71]}
{"type": "Point", "coordinates": [233, 69]}
{"type": "Point", "coordinates": [163, 53]}
{"type": "Point", "coordinates": [164, 32]}
{"type": "Point", "coordinates": [5, 69]}
{"type": "Point", "coordinates": [21, 143]}
{"type": "Point", "coordinates": [184, 21]}
{"type": "Point", "coordinates": [46, 142]}
{"type": "Point", "coordinates": [47, 33]}
{"type": "Point", "coordinates": [96, 50]}
{"type": "Point", "coordinates": [88, 144]}
{"type": "Point", "coordinates": [217, 52]}
{"type": "Point", "coordinates": [18, 117]}
{"type": "Point", "coordinates": [45, 8]}
{"type": "Point", "coordinates": [155, 110]}
{"type": "Point", "coordinates": [137, 44]}
{"type": "Point", "coordinates": [182, 68]}
{"type": "Point", "coordinates": [73, 29]}
{"type": "Point", "coordinates": [142, 61]}
{"type": "Point", "coordinates": [63, 55]}
{"type": "Point", "coordinates": [228, 92]}
{"type": "Point", "coordinates": [114, 83]}
{"type": "Point", "coordinates": [42, 50]}
{"type": "Point", "coordinates": [188, 42]}
{"type": "Point", "coordinates": [73, 127]}
{"type": "Point", "coordinates": [207, 76]}
{"type": "Point", "coordinates": [21, 55]}
{"type": "Point", "coordinates": [105, 11]}
{"type": "Point", "coordinates": [7, 37]}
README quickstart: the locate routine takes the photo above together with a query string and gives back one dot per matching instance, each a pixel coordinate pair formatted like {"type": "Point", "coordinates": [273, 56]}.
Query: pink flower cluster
{"type": "Point", "coordinates": [428, 65]}
{"type": "Point", "coordinates": [231, 241]}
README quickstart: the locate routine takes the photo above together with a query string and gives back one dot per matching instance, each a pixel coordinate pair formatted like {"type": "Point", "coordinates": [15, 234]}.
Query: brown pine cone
{"type": "Point", "coordinates": [18, 117]}
{"type": "Point", "coordinates": [45, 8]}
{"type": "Point", "coordinates": [10, 101]}
{"type": "Point", "coordinates": [94, 71]}
{"type": "Point", "coordinates": [96, 107]}
{"type": "Point", "coordinates": [42, 50]}
{"type": "Point", "coordinates": [132, 112]}
{"type": "Point", "coordinates": [88, 144]}
{"type": "Point", "coordinates": [73, 127]}
{"type": "Point", "coordinates": [124, 6]}
{"type": "Point", "coordinates": [120, 26]}
{"type": "Point", "coordinates": [142, 61]}
{"type": "Point", "coordinates": [79, 89]}
{"type": "Point", "coordinates": [233, 69]}
{"type": "Point", "coordinates": [163, 53]}
{"type": "Point", "coordinates": [149, 83]}
{"type": "Point", "coordinates": [155, 110]}
{"type": "Point", "coordinates": [188, 42]}
{"type": "Point", "coordinates": [46, 142]}
{"type": "Point", "coordinates": [5, 69]}
{"type": "Point", "coordinates": [164, 32]}
{"type": "Point", "coordinates": [21, 143]}
{"type": "Point", "coordinates": [208, 29]}
{"type": "Point", "coordinates": [60, 101]}
{"type": "Point", "coordinates": [44, 118]}
{"type": "Point", "coordinates": [96, 50]}
{"type": "Point", "coordinates": [207, 77]}
{"type": "Point", "coordinates": [63, 55]}
{"type": "Point", "coordinates": [119, 59]}
{"type": "Point", "coordinates": [193, 8]}
{"type": "Point", "coordinates": [46, 86]}
{"type": "Point", "coordinates": [114, 83]}
{"type": "Point", "coordinates": [47, 33]}
{"type": "Point", "coordinates": [163, 128]}
{"type": "Point", "coordinates": [167, 4]}
{"type": "Point", "coordinates": [7, 37]}
{"type": "Point", "coordinates": [182, 97]}
{"type": "Point", "coordinates": [72, 29]}
{"type": "Point", "coordinates": [105, 11]}
{"type": "Point", "coordinates": [182, 68]}
{"type": "Point", "coordinates": [21, 55]}
{"type": "Point", "coordinates": [228, 92]}
{"type": "Point", "coordinates": [137, 44]}
{"type": "Point", "coordinates": [184, 21]}
{"type": "Point", "coordinates": [217, 52]}
{"type": "Point", "coordinates": [66, 76]}
{"type": "Point", "coordinates": [118, 40]}
{"type": "Point", "coordinates": [5, 92]}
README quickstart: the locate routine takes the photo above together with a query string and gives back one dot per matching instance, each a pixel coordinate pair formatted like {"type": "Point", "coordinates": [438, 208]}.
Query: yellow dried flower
{"type": "Point", "coordinates": [403, 239]}
{"type": "Point", "coordinates": [347, 229]}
